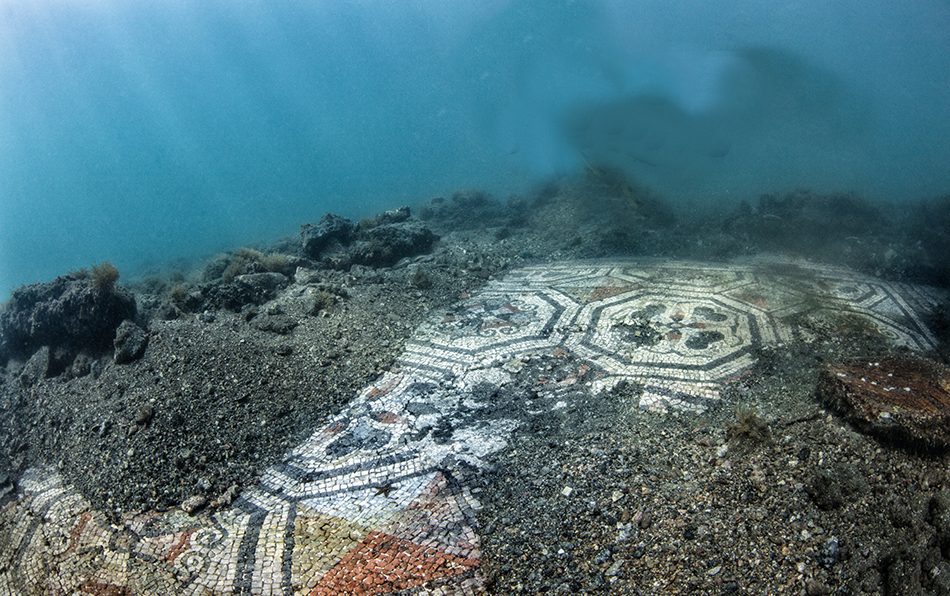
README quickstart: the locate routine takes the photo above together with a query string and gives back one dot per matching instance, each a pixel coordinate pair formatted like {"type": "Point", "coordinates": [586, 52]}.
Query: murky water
{"type": "Point", "coordinates": [141, 132]}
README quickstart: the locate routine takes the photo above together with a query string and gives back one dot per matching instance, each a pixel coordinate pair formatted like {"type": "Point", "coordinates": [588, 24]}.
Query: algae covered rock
{"type": "Point", "coordinates": [332, 230]}
{"type": "Point", "coordinates": [72, 312]}
{"type": "Point", "coordinates": [466, 210]}
{"type": "Point", "coordinates": [376, 242]}
{"type": "Point", "coordinates": [398, 215]}
{"type": "Point", "coordinates": [248, 289]}
{"type": "Point", "coordinates": [384, 245]}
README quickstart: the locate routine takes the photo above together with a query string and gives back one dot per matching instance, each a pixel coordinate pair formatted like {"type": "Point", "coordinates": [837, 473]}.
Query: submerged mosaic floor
{"type": "Point", "coordinates": [381, 498]}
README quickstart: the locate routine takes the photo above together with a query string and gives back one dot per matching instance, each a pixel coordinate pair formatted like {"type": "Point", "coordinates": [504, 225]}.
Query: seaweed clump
{"type": "Point", "coordinates": [104, 276]}
{"type": "Point", "coordinates": [748, 430]}
{"type": "Point", "coordinates": [322, 301]}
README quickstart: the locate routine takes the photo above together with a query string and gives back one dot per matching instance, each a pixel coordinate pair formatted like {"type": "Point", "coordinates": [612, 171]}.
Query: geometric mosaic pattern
{"type": "Point", "coordinates": [380, 498]}
{"type": "Point", "coordinates": [681, 329]}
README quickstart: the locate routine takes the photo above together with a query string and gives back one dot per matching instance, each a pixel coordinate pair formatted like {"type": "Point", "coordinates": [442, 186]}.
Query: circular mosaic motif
{"type": "Point", "coordinates": [643, 335]}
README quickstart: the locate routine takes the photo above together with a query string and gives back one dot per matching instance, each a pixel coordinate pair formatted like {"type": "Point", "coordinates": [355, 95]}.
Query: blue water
{"type": "Point", "coordinates": [141, 131]}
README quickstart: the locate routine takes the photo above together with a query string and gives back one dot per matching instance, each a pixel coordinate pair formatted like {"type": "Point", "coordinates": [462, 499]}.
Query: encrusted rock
{"type": "Point", "coordinates": [833, 487]}
{"type": "Point", "coordinates": [228, 496]}
{"type": "Point", "coordinates": [82, 365]}
{"type": "Point", "coordinates": [251, 288]}
{"type": "Point", "coordinates": [466, 210]}
{"type": "Point", "coordinates": [940, 516]}
{"type": "Point", "coordinates": [72, 312]}
{"type": "Point", "coordinates": [829, 553]}
{"type": "Point", "coordinates": [331, 230]}
{"type": "Point", "coordinates": [6, 486]}
{"type": "Point", "coordinates": [263, 283]}
{"type": "Point", "coordinates": [904, 399]}
{"type": "Point", "coordinates": [279, 324]}
{"type": "Point", "coordinates": [130, 342]}
{"type": "Point", "coordinates": [385, 244]}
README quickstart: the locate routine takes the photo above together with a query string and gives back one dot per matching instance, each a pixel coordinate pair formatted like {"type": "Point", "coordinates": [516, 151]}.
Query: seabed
{"type": "Point", "coordinates": [382, 498]}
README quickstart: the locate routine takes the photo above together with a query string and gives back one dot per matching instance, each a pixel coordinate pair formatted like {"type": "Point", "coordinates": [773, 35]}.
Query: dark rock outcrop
{"type": "Point", "coordinates": [45, 363]}
{"type": "Point", "coordinates": [384, 245]}
{"type": "Point", "coordinates": [262, 286]}
{"type": "Point", "coordinates": [929, 227]}
{"type": "Point", "coordinates": [253, 288]}
{"type": "Point", "coordinates": [331, 231]}
{"type": "Point", "coordinates": [130, 342]}
{"type": "Point", "coordinates": [844, 228]}
{"type": "Point", "coordinates": [376, 242]}
{"type": "Point", "coordinates": [82, 365]}
{"type": "Point", "coordinates": [940, 517]}
{"type": "Point", "coordinates": [831, 488]}
{"type": "Point", "coordinates": [68, 314]}
{"type": "Point", "coordinates": [801, 218]}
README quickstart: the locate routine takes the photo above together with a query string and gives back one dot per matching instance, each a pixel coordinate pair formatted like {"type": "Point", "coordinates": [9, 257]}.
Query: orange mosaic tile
{"type": "Point", "coordinates": [384, 563]}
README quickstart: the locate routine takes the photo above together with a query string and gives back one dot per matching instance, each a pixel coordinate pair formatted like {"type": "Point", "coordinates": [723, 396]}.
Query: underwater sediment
{"type": "Point", "coordinates": [363, 411]}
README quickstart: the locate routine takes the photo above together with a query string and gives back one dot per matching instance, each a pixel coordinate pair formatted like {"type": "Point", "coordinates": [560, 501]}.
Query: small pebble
{"type": "Point", "coordinates": [646, 520]}
{"type": "Point", "coordinates": [829, 553]}
{"type": "Point", "coordinates": [603, 556]}
{"type": "Point", "coordinates": [144, 414]}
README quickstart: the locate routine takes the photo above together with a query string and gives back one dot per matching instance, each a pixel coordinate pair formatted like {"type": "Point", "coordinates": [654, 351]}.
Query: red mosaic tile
{"type": "Point", "coordinates": [180, 546]}
{"type": "Point", "coordinates": [76, 533]}
{"type": "Point", "coordinates": [384, 563]}
{"type": "Point", "coordinates": [93, 588]}
{"type": "Point", "coordinates": [386, 417]}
